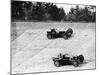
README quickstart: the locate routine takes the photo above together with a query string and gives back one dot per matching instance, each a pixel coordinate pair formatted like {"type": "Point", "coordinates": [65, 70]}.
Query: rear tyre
{"type": "Point", "coordinates": [49, 36]}
{"type": "Point", "coordinates": [65, 37]}
{"type": "Point", "coordinates": [56, 64]}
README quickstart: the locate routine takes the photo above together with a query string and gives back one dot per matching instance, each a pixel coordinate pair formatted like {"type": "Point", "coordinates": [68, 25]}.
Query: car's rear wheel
{"type": "Point", "coordinates": [49, 36]}
{"type": "Point", "coordinates": [56, 63]}
{"type": "Point", "coordinates": [65, 37]}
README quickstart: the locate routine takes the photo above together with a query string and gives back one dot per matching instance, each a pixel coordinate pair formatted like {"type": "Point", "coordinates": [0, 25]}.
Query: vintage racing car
{"type": "Point", "coordinates": [61, 34]}
{"type": "Point", "coordinates": [66, 59]}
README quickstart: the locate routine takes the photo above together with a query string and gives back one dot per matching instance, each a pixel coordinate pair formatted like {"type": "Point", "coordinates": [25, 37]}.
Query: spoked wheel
{"type": "Point", "coordinates": [75, 64]}
{"type": "Point", "coordinates": [80, 59]}
{"type": "Point", "coordinates": [69, 34]}
{"type": "Point", "coordinates": [56, 64]}
{"type": "Point", "coordinates": [65, 37]}
{"type": "Point", "coordinates": [49, 36]}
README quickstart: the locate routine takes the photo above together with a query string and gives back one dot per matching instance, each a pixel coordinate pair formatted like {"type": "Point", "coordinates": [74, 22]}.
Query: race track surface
{"type": "Point", "coordinates": [33, 52]}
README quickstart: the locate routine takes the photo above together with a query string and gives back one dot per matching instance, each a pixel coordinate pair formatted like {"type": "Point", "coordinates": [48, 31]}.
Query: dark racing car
{"type": "Point", "coordinates": [61, 34]}
{"type": "Point", "coordinates": [62, 60]}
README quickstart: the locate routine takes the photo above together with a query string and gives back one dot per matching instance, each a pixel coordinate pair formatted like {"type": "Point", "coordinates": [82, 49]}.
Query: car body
{"type": "Point", "coordinates": [62, 60]}
{"type": "Point", "coordinates": [61, 34]}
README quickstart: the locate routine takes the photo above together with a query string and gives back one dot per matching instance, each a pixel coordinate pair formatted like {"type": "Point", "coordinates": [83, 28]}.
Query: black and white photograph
{"type": "Point", "coordinates": [52, 37]}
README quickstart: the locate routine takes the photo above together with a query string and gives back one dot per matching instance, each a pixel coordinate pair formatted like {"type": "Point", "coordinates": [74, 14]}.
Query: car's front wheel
{"type": "Point", "coordinates": [80, 58]}
{"type": "Point", "coordinates": [69, 34]}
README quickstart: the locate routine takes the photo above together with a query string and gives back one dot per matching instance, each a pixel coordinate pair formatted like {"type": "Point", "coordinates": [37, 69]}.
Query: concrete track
{"type": "Point", "coordinates": [33, 52]}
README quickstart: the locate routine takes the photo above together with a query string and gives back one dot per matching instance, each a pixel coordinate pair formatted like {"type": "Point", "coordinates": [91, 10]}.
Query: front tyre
{"type": "Point", "coordinates": [80, 59]}
{"type": "Point", "coordinates": [69, 34]}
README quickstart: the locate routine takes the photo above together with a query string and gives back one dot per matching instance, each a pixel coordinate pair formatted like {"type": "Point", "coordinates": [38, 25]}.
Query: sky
{"type": "Point", "coordinates": [67, 7]}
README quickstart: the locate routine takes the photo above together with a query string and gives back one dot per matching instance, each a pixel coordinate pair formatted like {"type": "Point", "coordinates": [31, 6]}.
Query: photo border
{"type": "Point", "coordinates": [48, 71]}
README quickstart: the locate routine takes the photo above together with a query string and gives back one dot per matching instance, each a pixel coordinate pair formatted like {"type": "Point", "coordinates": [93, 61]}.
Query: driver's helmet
{"type": "Point", "coordinates": [60, 56]}
{"type": "Point", "coordinates": [53, 29]}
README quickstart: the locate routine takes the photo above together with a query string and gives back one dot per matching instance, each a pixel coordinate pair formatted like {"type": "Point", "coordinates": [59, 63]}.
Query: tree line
{"type": "Point", "coordinates": [41, 11]}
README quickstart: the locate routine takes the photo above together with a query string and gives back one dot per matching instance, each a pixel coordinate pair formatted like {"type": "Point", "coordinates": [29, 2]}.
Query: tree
{"type": "Point", "coordinates": [20, 9]}
{"type": "Point", "coordinates": [17, 9]}
{"type": "Point", "coordinates": [27, 9]}
{"type": "Point", "coordinates": [39, 11]}
{"type": "Point", "coordinates": [62, 14]}
{"type": "Point", "coordinates": [81, 14]}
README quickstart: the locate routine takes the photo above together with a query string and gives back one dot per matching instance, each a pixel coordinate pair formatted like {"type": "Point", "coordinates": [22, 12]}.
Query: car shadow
{"type": "Point", "coordinates": [86, 62]}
